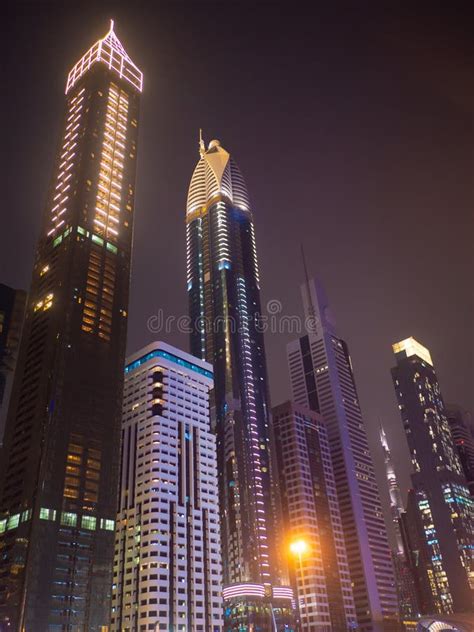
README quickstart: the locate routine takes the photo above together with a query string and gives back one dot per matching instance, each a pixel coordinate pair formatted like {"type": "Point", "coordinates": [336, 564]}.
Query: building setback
{"type": "Point", "coordinates": [440, 496]}
{"type": "Point", "coordinates": [12, 315]}
{"type": "Point", "coordinates": [167, 570]}
{"type": "Point", "coordinates": [311, 515]}
{"type": "Point", "coordinates": [224, 306]}
{"type": "Point", "coordinates": [322, 380]}
{"type": "Point", "coordinates": [62, 441]}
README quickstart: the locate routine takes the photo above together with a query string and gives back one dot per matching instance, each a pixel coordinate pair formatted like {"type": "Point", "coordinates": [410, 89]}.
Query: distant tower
{"type": "Point", "coordinates": [12, 316]}
{"type": "Point", "coordinates": [224, 305]}
{"type": "Point", "coordinates": [60, 472]}
{"type": "Point", "coordinates": [440, 492]}
{"type": "Point", "coordinates": [311, 517]}
{"type": "Point", "coordinates": [322, 380]}
{"type": "Point", "coordinates": [396, 504]}
{"type": "Point", "coordinates": [168, 509]}
{"type": "Point", "coordinates": [404, 575]}
{"type": "Point", "coordinates": [462, 430]}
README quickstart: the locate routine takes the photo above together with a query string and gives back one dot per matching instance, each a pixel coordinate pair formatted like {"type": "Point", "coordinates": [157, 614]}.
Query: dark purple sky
{"type": "Point", "coordinates": [353, 128]}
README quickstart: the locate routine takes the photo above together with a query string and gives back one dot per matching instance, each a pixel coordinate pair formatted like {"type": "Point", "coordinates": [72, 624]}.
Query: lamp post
{"type": "Point", "coordinates": [299, 548]}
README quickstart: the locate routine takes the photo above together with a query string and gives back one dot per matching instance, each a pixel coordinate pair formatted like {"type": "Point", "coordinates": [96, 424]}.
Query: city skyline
{"type": "Point", "coordinates": [430, 120]}
{"type": "Point", "coordinates": [366, 261]}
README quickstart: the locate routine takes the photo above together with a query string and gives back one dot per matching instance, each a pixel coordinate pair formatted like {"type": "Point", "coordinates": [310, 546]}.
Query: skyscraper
{"type": "Point", "coordinates": [396, 503]}
{"type": "Point", "coordinates": [59, 478]}
{"type": "Point", "coordinates": [462, 430]}
{"type": "Point", "coordinates": [12, 315]}
{"type": "Point", "coordinates": [442, 499]}
{"type": "Point", "coordinates": [224, 305]}
{"type": "Point", "coordinates": [407, 595]}
{"type": "Point", "coordinates": [312, 520]}
{"type": "Point", "coordinates": [322, 380]}
{"type": "Point", "coordinates": [167, 571]}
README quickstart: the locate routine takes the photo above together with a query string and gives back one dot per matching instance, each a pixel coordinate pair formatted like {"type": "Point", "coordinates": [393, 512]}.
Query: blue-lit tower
{"type": "Point", "coordinates": [224, 304]}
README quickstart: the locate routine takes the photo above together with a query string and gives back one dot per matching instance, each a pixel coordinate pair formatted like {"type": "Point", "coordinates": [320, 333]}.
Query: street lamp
{"type": "Point", "coordinates": [299, 548]}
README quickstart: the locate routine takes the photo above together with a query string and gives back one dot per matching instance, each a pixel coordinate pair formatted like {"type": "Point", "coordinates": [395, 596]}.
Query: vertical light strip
{"type": "Point", "coordinates": [254, 439]}
{"type": "Point", "coordinates": [61, 196]}
{"type": "Point", "coordinates": [112, 158]}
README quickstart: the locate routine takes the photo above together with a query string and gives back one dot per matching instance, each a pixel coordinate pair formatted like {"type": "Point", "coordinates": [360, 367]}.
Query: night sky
{"type": "Point", "coordinates": [353, 129]}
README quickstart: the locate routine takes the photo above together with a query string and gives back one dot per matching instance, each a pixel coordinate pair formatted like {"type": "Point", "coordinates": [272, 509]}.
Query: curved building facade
{"type": "Point", "coordinates": [224, 304]}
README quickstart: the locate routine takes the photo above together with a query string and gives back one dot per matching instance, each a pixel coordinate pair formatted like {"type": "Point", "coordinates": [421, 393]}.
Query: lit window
{"type": "Point", "coordinates": [88, 522]}
{"type": "Point", "coordinates": [97, 240]}
{"type": "Point", "coordinates": [13, 521]}
{"type": "Point", "coordinates": [108, 525]}
{"type": "Point", "coordinates": [47, 514]}
{"type": "Point", "coordinates": [68, 519]}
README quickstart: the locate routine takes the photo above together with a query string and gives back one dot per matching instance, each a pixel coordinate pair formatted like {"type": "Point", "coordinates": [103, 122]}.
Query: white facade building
{"type": "Point", "coordinates": [167, 570]}
{"type": "Point", "coordinates": [322, 380]}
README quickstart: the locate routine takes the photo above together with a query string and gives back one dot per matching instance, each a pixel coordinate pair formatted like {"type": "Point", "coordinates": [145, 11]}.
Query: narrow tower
{"type": "Point", "coordinates": [404, 575]}
{"type": "Point", "coordinates": [396, 503]}
{"type": "Point", "coordinates": [60, 472]}
{"type": "Point", "coordinates": [322, 379]}
{"type": "Point", "coordinates": [224, 304]}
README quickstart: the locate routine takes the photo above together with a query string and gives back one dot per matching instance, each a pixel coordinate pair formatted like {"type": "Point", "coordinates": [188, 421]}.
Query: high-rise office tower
{"type": "Point", "coordinates": [62, 440]}
{"type": "Point", "coordinates": [322, 380]}
{"type": "Point", "coordinates": [442, 498]}
{"type": "Point", "coordinates": [167, 571]}
{"type": "Point", "coordinates": [462, 430]}
{"type": "Point", "coordinates": [312, 520]}
{"type": "Point", "coordinates": [224, 304]}
{"type": "Point", "coordinates": [12, 315]}
{"type": "Point", "coordinates": [407, 596]}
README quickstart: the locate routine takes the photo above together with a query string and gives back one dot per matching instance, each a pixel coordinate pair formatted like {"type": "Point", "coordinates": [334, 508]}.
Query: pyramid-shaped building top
{"type": "Point", "coordinates": [110, 52]}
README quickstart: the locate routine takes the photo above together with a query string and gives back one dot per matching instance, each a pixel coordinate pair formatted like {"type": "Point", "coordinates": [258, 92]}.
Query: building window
{"type": "Point", "coordinates": [89, 522]}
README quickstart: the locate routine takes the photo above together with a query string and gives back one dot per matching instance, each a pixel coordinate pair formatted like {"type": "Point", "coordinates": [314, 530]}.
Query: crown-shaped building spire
{"type": "Point", "coordinates": [109, 51]}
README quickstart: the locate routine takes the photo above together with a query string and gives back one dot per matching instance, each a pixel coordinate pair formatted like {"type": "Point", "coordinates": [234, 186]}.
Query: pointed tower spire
{"type": "Point", "coordinates": [202, 146]}
{"type": "Point", "coordinates": [110, 52]}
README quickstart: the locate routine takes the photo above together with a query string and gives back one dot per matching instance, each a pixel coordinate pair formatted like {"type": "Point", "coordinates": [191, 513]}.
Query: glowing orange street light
{"type": "Point", "coordinates": [299, 548]}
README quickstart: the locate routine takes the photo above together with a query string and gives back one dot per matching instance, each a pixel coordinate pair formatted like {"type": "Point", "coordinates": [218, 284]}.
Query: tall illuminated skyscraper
{"type": "Point", "coordinates": [60, 473]}
{"type": "Point", "coordinates": [322, 379]}
{"type": "Point", "coordinates": [440, 500]}
{"type": "Point", "coordinates": [224, 304]}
